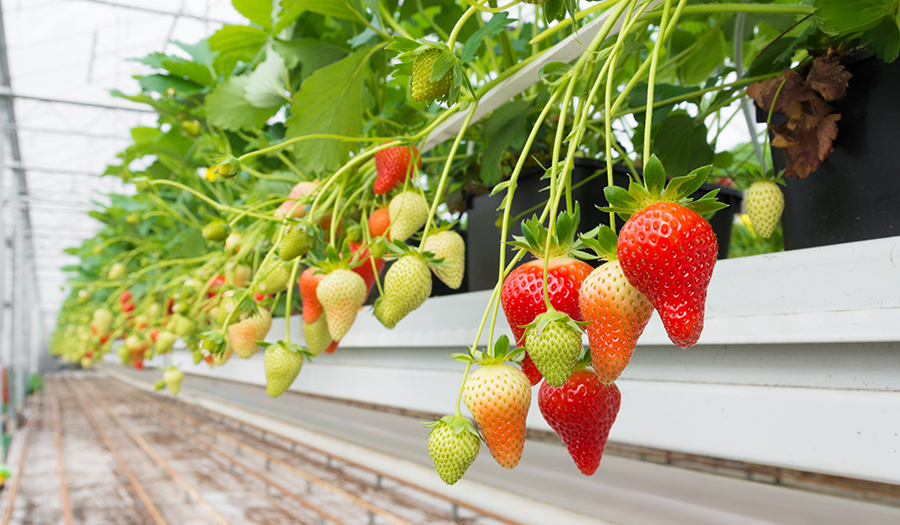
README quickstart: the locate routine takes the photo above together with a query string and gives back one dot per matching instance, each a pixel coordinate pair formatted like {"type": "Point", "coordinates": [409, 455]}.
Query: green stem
{"type": "Point", "coordinates": [287, 306]}
{"type": "Point", "coordinates": [459, 24]}
{"type": "Point", "coordinates": [208, 200]}
{"type": "Point", "coordinates": [445, 173]}
{"type": "Point", "coordinates": [651, 82]}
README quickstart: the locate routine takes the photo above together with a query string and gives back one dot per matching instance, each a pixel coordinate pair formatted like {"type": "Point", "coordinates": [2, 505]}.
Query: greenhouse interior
{"type": "Point", "coordinates": [524, 262]}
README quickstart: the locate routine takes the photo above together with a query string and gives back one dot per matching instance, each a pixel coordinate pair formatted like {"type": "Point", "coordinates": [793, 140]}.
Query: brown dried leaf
{"type": "Point", "coordinates": [829, 79]}
{"type": "Point", "coordinates": [807, 143]}
{"type": "Point", "coordinates": [794, 91]}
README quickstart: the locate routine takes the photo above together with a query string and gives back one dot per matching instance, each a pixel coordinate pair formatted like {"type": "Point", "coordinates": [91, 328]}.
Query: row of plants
{"type": "Point", "coordinates": [285, 173]}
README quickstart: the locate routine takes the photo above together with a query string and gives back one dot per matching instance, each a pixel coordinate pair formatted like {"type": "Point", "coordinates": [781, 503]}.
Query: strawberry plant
{"type": "Point", "coordinates": [293, 155]}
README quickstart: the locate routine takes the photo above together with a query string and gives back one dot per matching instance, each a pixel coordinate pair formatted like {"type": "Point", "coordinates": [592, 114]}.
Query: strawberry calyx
{"type": "Point", "coordinates": [458, 425]}
{"type": "Point", "coordinates": [398, 249]}
{"type": "Point", "coordinates": [754, 174]}
{"type": "Point", "coordinates": [553, 316]}
{"type": "Point", "coordinates": [495, 355]}
{"type": "Point", "coordinates": [333, 260]}
{"type": "Point", "coordinates": [639, 196]}
{"type": "Point", "coordinates": [225, 168]}
{"type": "Point", "coordinates": [562, 241]}
{"type": "Point", "coordinates": [213, 342]}
{"type": "Point", "coordinates": [602, 240]}
{"type": "Point", "coordinates": [289, 347]}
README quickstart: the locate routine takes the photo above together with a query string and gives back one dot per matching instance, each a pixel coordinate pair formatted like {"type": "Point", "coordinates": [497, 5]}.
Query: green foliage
{"type": "Point", "coordinates": [681, 143]}
{"type": "Point", "coordinates": [227, 107]}
{"type": "Point", "coordinates": [329, 102]}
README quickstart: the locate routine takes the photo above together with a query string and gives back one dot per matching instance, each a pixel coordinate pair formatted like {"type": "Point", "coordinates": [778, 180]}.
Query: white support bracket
{"type": "Point", "coordinates": [566, 51]}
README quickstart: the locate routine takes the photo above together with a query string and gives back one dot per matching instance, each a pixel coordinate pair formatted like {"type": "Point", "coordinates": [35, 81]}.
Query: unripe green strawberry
{"type": "Point", "coordinates": [408, 211]}
{"type": "Point", "coordinates": [173, 378]}
{"type": "Point", "coordinates": [181, 325]}
{"type": "Point", "coordinates": [498, 396]}
{"type": "Point", "coordinates": [341, 293]}
{"type": "Point", "coordinates": [164, 342]}
{"type": "Point", "coordinates": [116, 271]}
{"type": "Point", "coordinates": [246, 333]}
{"type": "Point", "coordinates": [553, 341]}
{"type": "Point", "coordinates": [317, 336]}
{"type": "Point", "coordinates": [275, 277]}
{"type": "Point", "coordinates": [453, 445]}
{"type": "Point", "coordinates": [407, 285]}
{"type": "Point", "coordinates": [226, 305]}
{"type": "Point", "coordinates": [765, 203]}
{"type": "Point", "coordinates": [295, 242]}
{"type": "Point", "coordinates": [451, 247]}
{"type": "Point", "coordinates": [215, 231]}
{"type": "Point", "coordinates": [233, 242]}
{"type": "Point", "coordinates": [102, 321]}
{"type": "Point", "coordinates": [124, 354]}
{"type": "Point", "coordinates": [423, 88]}
{"type": "Point", "coordinates": [197, 355]}
{"type": "Point", "coordinates": [221, 359]}
{"type": "Point", "coordinates": [282, 367]}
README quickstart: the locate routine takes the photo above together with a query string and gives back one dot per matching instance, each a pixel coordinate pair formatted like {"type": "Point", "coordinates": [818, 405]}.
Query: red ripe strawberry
{"type": "Point", "coordinates": [379, 222]}
{"type": "Point", "coordinates": [332, 348]}
{"type": "Point", "coordinates": [582, 412]}
{"type": "Point", "coordinates": [309, 282]}
{"type": "Point", "coordinates": [125, 297]}
{"type": "Point", "coordinates": [668, 252]}
{"type": "Point", "coordinates": [260, 297]}
{"type": "Point", "coordinates": [530, 369]}
{"type": "Point", "coordinates": [394, 165]}
{"type": "Point", "coordinates": [365, 270]}
{"type": "Point", "coordinates": [154, 333]}
{"type": "Point", "coordinates": [522, 296]}
{"type": "Point", "coordinates": [214, 285]}
{"type": "Point", "coordinates": [127, 307]}
{"type": "Point", "coordinates": [666, 249]}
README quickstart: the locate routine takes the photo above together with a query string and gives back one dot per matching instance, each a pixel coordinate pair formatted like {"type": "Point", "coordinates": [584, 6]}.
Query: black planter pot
{"type": "Point", "coordinates": [854, 195]}
{"type": "Point", "coordinates": [483, 245]}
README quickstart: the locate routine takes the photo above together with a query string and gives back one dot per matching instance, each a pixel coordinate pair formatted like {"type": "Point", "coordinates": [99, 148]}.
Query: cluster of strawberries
{"type": "Point", "coordinates": [662, 259]}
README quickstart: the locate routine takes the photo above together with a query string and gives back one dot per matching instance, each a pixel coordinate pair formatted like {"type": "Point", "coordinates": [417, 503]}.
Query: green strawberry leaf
{"type": "Point", "coordinates": [554, 73]}
{"type": "Point", "coordinates": [336, 8]}
{"type": "Point", "coordinates": [884, 38]}
{"type": "Point", "coordinates": [442, 64]}
{"type": "Point", "coordinates": [228, 108]}
{"type": "Point", "coordinates": [840, 16]}
{"type": "Point", "coordinates": [257, 11]}
{"type": "Point", "coordinates": [330, 101]}
{"type": "Point", "coordinates": [554, 10]}
{"type": "Point", "coordinates": [496, 25]}
{"type": "Point", "coordinates": [265, 88]}
{"type": "Point", "coordinates": [403, 44]}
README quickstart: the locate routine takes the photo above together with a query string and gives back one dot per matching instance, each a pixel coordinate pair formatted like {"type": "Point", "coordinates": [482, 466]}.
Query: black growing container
{"type": "Point", "coordinates": [483, 245]}
{"type": "Point", "coordinates": [854, 195]}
